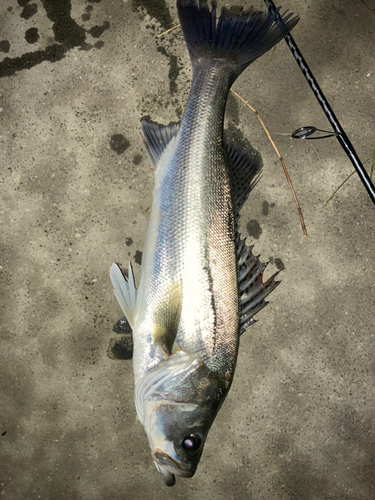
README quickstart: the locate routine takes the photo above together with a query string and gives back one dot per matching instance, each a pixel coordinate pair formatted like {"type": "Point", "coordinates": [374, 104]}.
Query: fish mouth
{"type": "Point", "coordinates": [170, 465]}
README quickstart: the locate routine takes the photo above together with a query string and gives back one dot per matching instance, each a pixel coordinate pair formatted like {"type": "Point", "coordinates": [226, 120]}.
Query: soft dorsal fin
{"type": "Point", "coordinates": [156, 139]}
{"type": "Point", "coordinates": [125, 291]}
{"type": "Point", "coordinates": [252, 291]}
{"type": "Point", "coordinates": [245, 165]}
{"type": "Point", "coordinates": [167, 317]}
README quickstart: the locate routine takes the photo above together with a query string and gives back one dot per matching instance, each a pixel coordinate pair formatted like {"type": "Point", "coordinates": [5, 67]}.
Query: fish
{"type": "Point", "coordinates": [200, 284]}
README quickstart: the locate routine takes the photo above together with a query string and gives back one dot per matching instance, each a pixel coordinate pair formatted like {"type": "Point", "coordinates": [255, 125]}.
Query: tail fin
{"type": "Point", "coordinates": [241, 38]}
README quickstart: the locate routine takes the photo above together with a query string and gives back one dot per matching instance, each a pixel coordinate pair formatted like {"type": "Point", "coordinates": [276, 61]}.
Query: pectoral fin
{"type": "Point", "coordinates": [167, 318]}
{"type": "Point", "coordinates": [125, 292]}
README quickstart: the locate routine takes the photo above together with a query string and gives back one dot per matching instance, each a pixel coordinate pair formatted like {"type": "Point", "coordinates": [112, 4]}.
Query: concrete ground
{"type": "Point", "coordinates": [298, 423]}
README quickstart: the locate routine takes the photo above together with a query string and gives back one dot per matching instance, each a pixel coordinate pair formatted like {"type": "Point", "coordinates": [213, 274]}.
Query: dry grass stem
{"type": "Point", "coordinates": [281, 160]}
{"type": "Point", "coordinates": [371, 174]}
{"type": "Point", "coordinates": [335, 191]}
{"type": "Point", "coordinates": [170, 29]}
{"type": "Point", "coordinates": [369, 8]}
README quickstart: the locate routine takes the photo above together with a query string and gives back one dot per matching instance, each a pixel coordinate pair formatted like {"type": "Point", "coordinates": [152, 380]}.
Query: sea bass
{"type": "Point", "coordinates": [200, 284]}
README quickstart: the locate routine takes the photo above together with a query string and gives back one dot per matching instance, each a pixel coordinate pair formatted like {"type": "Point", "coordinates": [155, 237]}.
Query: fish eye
{"type": "Point", "coordinates": [192, 442]}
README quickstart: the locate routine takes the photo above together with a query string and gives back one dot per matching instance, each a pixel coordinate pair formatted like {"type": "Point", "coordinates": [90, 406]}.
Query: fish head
{"type": "Point", "coordinates": [178, 413]}
{"type": "Point", "coordinates": [177, 433]}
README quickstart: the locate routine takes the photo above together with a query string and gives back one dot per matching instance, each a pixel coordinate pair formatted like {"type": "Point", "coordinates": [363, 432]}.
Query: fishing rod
{"type": "Point", "coordinates": [339, 131]}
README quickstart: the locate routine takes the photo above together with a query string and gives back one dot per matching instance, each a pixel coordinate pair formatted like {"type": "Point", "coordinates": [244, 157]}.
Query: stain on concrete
{"type": "Point", "coordinates": [65, 29]}
{"type": "Point", "coordinates": [137, 159]}
{"type": "Point", "coordinates": [266, 206]}
{"type": "Point", "coordinates": [4, 46]}
{"type": "Point", "coordinates": [254, 229]}
{"type": "Point", "coordinates": [87, 15]}
{"type": "Point", "coordinates": [128, 242]}
{"type": "Point", "coordinates": [174, 69]}
{"type": "Point", "coordinates": [279, 264]}
{"type": "Point", "coordinates": [99, 44]}
{"type": "Point", "coordinates": [121, 348]}
{"type": "Point", "coordinates": [32, 35]}
{"type": "Point", "coordinates": [157, 9]}
{"type": "Point", "coordinates": [29, 11]}
{"type": "Point", "coordinates": [52, 53]}
{"type": "Point", "coordinates": [122, 326]}
{"type": "Point", "coordinates": [97, 31]}
{"type": "Point", "coordinates": [67, 33]}
{"type": "Point", "coordinates": [138, 257]}
{"type": "Point", "coordinates": [119, 143]}
{"type": "Point", "coordinates": [237, 10]}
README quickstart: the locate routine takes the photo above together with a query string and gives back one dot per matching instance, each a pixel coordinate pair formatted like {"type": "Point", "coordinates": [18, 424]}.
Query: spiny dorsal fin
{"type": "Point", "coordinates": [125, 291]}
{"type": "Point", "coordinates": [245, 165]}
{"type": "Point", "coordinates": [252, 291]}
{"type": "Point", "coordinates": [167, 318]}
{"type": "Point", "coordinates": [156, 138]}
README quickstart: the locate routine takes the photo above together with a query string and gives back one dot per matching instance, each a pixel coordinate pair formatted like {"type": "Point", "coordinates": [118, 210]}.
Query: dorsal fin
{"type": "Point", "coordinates": [156, 139]}
{"type": "Point", "coordinates": [245, 165]}
{"type": "Point", "coordinates": [252, 291]}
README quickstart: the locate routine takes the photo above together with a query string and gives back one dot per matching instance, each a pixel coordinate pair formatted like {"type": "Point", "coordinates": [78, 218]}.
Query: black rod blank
{"type": "Point", "coordinates": [341, 135]}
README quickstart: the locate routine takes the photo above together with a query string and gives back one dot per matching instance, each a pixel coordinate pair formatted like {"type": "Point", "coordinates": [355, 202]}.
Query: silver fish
{"type": "Point", "coordinates": [200, 284]}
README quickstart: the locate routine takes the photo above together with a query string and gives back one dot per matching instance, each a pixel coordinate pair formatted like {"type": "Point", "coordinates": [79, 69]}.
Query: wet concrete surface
{"type": "Point", "coordinates": [76, 77]}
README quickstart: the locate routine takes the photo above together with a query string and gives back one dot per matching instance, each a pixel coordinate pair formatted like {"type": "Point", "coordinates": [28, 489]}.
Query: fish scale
{"type": "Point", "coordinates": [200, 284]}
{"type": "Point", "coordinates": [195, 190]}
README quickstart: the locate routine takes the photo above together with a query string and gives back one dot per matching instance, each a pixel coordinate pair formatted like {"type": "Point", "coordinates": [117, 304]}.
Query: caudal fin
{"type": "Point", "coordinates": [239, 38]}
